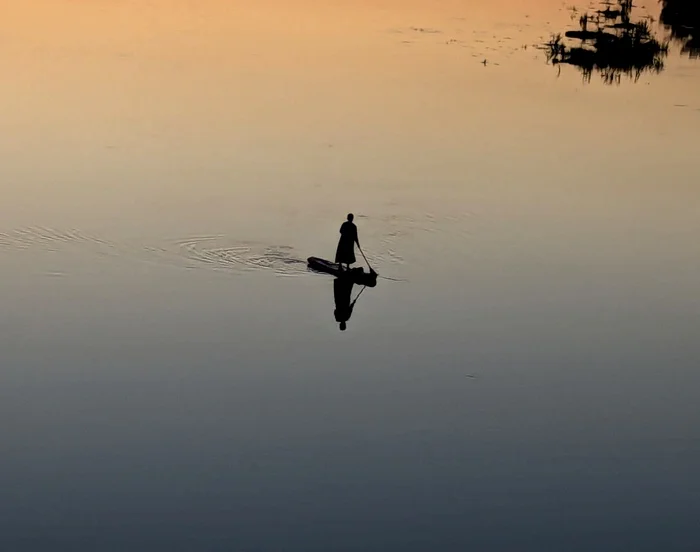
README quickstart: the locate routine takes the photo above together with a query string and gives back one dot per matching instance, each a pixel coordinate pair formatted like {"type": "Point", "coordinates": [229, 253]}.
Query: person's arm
{"type": "Point", "coordinates": [357, 239]}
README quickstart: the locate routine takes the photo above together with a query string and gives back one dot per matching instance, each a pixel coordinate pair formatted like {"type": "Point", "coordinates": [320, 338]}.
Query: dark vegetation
{"type": "Point", "coordinates": [612, 43]}
{"type": "Point", "coordinates": [682, 18]}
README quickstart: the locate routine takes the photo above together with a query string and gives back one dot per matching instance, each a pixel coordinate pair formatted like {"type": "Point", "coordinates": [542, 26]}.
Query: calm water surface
{"type": "Point", "coordinates": [524, 377]}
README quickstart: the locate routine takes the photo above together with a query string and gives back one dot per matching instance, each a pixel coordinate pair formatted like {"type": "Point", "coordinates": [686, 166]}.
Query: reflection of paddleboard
{"type": "Point", "coordinates": [358, 275]}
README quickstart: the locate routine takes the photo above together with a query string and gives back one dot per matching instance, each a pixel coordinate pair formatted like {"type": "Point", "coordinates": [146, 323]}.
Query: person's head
{"type": "Point", "coordinates": [343, 325]}
{"type": "Point", "coordinates": [350, 217]}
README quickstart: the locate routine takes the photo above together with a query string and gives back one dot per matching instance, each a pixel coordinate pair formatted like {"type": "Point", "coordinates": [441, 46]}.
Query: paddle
{"type": "Point", "coordinates": [363, 254]}
{"type": "Point", "coordinates": [358, 295]}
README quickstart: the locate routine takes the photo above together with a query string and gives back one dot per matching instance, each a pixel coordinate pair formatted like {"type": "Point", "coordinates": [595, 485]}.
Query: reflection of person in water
{"type": "Point", "coordinates": [346, 246]}
{"type": "Point", "coordinates": [342, 292]}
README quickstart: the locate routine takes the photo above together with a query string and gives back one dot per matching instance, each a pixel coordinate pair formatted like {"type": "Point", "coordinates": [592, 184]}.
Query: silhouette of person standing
{"type": "Point", "coordinates": [342, 293]}
{"type": "Point", "coordinates": [346, 246]}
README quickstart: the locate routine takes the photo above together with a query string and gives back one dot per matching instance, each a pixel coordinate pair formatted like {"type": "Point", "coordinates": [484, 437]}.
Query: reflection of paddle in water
{"type": "Point", "coordinates": [342, 293]}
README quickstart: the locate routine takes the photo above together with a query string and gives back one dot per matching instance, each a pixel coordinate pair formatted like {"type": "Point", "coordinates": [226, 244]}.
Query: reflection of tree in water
{"type": "Point", "coordinates": [682, 17]}
{"type": "Point", "coordinates": [612, 44]}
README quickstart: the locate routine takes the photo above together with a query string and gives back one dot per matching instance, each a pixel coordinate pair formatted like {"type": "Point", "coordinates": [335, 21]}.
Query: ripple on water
{"type": "Point", "coordinates": [206, 252]}
{"type": "Point", "coordinates": [223, 253]}
{"type": "Point", "coordinates": [203, 252]}
{"type": "Point", "coordinates": [396, 233]}
{"type": "Point", "coordinates": [42, 238]}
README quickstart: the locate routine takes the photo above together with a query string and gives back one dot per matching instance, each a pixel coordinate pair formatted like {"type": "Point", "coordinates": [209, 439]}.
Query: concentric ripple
{"type": "Point", "coordinates": [222, 253]}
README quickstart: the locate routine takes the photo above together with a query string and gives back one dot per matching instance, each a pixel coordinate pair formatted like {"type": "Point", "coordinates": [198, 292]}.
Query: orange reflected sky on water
{"type": "Point", "coordinates": [191, 58]}
{"type": "Point", "coordinates": [153, 97]}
